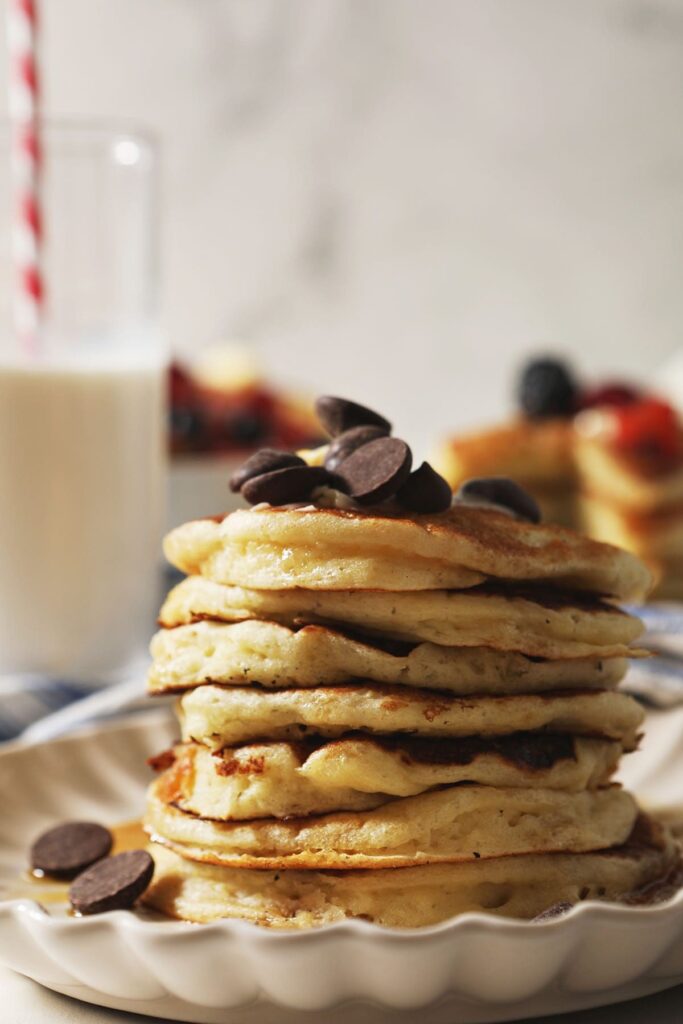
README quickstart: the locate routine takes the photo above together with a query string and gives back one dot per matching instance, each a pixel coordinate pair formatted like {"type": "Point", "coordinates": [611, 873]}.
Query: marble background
{"type": "Point", "coordinates": [397, 199]}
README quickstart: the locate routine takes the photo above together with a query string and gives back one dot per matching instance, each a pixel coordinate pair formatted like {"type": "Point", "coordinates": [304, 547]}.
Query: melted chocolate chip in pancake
{"type": "Point", "coordinates": [546, 595]}
{"type": "Point", "coordinates": [531, 749]}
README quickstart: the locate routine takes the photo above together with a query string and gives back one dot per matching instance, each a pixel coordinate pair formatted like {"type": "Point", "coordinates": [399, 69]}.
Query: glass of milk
{"type": "Point", "coordinates": [82, 471]}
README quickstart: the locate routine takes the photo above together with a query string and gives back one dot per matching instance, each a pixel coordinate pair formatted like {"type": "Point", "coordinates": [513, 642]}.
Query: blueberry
{"type": "Point", "coordinates": [500, 490]}
{"type": "Point", "coordinates": [547, 388]}
{"type": "Point", "coordinates": [188, 428]}
{"type": "Point", "coordinates": [245, 429]}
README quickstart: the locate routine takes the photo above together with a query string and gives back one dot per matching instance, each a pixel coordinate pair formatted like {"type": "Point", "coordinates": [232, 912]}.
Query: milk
{"type": "Point", "coordinates": [81, 483]}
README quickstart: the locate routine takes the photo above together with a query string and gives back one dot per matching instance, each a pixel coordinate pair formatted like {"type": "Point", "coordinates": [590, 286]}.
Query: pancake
{"type": "Point", "coordinates": [517, 886]}
{"type": "Point", "coordinates": [530, 621]}
{"type": "Point", "coordinates": [641, 485]}
{"type": "Point", "coordinates": [652, 536]}
{"type": "Point", "coordinates": [275, 655]}
{"type": "Point", "coordinates": [460, 823]}
{"type": "Point", "coordinates": [335, 549]}
{"type": "Point", "coordinates": [356, 772]}
{"type": "Point", "coordinates": [221, 716]}
{"type": "Point", "coordinates": [534, 453]}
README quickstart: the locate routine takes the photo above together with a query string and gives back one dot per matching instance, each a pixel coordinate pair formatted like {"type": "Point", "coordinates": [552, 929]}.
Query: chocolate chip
{"type": "Point", "coordinates": [267, 460]}
{"type": "Point", "coordinates": [282, 486]}
{"type": "Point", "coordinates": [339, 414]}
{"type": "Point", "coordinates": [425, 490]}
{"type": "Point", "coordinates": [348, 442]}
{"type": "Point", "coordinates": [555, 910]}
{"type": "Point", "coordinates": [499, 490]}
{"type": "Point", "coordinates": [67, 849]}
{"type": "Point", "coordinates": [112, 884]}
{"type": "Point", "coordinates": [377, 470]}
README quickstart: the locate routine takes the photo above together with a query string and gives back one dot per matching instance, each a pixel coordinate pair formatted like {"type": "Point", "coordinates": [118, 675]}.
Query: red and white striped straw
{"type": "Point", "coordinates": [24, 94]}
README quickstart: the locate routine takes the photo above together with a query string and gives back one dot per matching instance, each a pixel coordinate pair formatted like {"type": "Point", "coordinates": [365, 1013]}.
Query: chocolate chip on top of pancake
{"type": "Point", "coordinates": [363, 461]}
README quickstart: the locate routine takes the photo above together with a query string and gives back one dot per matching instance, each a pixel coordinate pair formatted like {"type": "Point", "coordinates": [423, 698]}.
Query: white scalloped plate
{"type": "Point", "coordinates": [475, 969]}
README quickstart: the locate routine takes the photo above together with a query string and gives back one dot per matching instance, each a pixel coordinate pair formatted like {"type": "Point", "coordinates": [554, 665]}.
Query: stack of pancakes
{"type": "Point", "coordinates": [395, 717]}
{"type": "Point", "coordinates": [635, 500]}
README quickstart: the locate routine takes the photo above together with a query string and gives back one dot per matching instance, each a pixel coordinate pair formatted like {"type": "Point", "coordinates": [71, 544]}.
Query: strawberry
{"type": "Point", "coordinates": [649, 426]}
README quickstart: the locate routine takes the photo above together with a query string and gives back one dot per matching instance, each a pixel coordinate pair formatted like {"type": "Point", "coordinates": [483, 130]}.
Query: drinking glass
{"type": "Point", "coordinates": [82, 471]}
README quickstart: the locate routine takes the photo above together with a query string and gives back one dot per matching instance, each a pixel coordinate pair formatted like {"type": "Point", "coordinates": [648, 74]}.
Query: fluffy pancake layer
{"type": "Point", "coordinates": [460, 823]}
{"type": "Point", "coordinates": [358, 772]}
{"type": "Point", "coordinates": [275, 655]}
{"type": "Point", "coordinates": [333, 549]}
{"type": "Point", "coordinates": [220, 716]}
{"type": "Point", "coordinates": [515, 886]}
{"type": "Point", "coordinates": [543, 623]}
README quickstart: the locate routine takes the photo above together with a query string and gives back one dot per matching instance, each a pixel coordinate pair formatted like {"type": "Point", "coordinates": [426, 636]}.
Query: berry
{"type": "Point", "coordinates": [547, 388]}
{"type": "Point", "coordinates": [648, 427]}
{"type": "Point", "coordinates": [245, 429]}
{"type": "Point", "coordinates": [613, 395]}
{"type": "Point", "coordinates": [188, 429]}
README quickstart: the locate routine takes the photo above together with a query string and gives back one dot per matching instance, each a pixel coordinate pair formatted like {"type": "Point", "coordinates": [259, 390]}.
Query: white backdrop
{"type": "Point", "coordinates": [397, 198]}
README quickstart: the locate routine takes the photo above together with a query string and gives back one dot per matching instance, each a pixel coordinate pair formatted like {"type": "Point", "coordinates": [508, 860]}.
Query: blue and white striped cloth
{"type": "Point", "coordinates": [37, 709]}
{"type": "Point", "coordinates": [28, 699]}
{"type": "Point", "coordinates": [658, 681]}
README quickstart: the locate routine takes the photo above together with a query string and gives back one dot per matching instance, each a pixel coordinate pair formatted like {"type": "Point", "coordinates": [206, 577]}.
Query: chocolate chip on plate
{"type": "Point", "coordinates": [377, 470]}
{"type": "Point", "coordinates": [112, 884]}
{"type": "Point", "coordinates": [348, 442]}
{"type": "Point", "coordinates": [339, 414]}
{"type": "Point", "coordinates": [282, 486]}
{"type": "Point", "coordinates": [267, 460]}
{"type": "Point", "coordinates": [499, 490]}
{"type": "Point", "coordinates": [425, 490]}
{"type": "Point", "coordinates": [68, 849]}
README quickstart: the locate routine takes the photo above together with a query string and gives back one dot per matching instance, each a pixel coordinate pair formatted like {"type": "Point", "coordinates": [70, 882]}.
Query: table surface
{"type": "Point", "coordinates": [25, 1002]}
